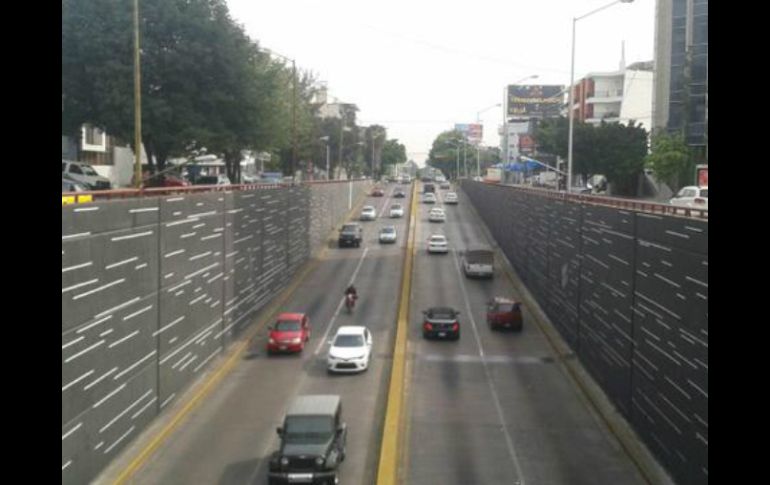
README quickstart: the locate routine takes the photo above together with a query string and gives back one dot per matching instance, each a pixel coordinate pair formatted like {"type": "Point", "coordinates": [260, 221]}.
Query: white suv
{"type": "Point", "coordinates": [368, 213]}
{"type": "Point", "coordinates": [692, 197]}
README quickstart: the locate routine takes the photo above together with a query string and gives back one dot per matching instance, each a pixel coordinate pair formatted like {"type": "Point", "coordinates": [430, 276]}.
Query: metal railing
{"type": "Point", "coordinates": [193, 189]}
{"type": "Point", "coordinates": [617, 202]}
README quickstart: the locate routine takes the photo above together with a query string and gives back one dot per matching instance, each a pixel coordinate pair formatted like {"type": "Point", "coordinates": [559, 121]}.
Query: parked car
{"type": "Point", "coordinates": [396, 210]}
{"type": "Point", "coordinates": [437, 243]}
{"type": "Point", "coordinates": [388, 234]}
{"type": "Point", "coordinates": [504, 313]}
{"type": "Point", "coordinates": [85, 175]}
{"type": "Point", "coordinates": [164, 181]}
{"type": "Point", "coordinates": [693, 197]}
{"type": "Point", "coordinates": [478, 261]}
{"type": "Point", "coordinates": [350, 350]}
{"type": "Point", "coordinates": [368, 213]}
{"type": "Point", "coordinates": [313, 439]}
{"type": "Point", "coordinates": [437, 215]}
{"type": "Point", "coordinates": [441, 322]}
{"type": "Point", "coordinates": [429, 198]}
{"type": "Point", "coordinates": [289, 334]}
{"type": "Point", "coordinates": [71, 192]}
{"type": "Point", "coordinates": [450, 198]}
{"type": "Point", "coordinates": [70, 185]}
{"type": "Point", "coordinates": [351, 234]}
{"type": "Point", "coordinates": [211, 180]}
{"type": "Point", "coordinates": [399, 194]}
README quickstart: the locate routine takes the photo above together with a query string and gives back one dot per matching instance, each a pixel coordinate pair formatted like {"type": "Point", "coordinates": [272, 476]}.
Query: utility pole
{"type": "Point", "coordinates": [137, 102]}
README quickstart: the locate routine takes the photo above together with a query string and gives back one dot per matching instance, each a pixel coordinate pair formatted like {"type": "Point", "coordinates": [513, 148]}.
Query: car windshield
{"type": "Point", "coordinates": [349, 341]}
{"type": "Point", "coordinates": [287, 326]}
{"type": "Point", "coordinates": [348, 228]}
{"type": "Point", "coordinates": [441, 314]}
{"type": "Point", "coordinates": [89, 171]}
{"type": "Point", "coordinates": [388, 230]}
{"type": "Point", "coordinates": [505, 307]}
{"type": "Point", "coordinates": [705, 193]}
{"type": "Point", "coordinates": [368, 209]}
{"type": "Point", "coordinates": [308, 429]}
{"type": "Point", "coordinates": [438, 239]}
{"type": "Point", "coordinates": [396, 207]}
{"type": "Point", "coordinates": [479, 256]}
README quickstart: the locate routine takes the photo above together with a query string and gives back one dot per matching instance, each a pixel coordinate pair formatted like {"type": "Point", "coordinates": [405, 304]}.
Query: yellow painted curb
{"type": "Point", "coordinates": [387, 469]}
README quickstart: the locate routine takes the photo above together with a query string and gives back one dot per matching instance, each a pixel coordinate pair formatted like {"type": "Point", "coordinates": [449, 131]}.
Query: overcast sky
{"type": "Point", "coordinates": [419, 66]}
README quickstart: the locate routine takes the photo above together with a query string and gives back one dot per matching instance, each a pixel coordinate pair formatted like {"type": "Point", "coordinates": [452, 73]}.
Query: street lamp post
{"type": "Point", "coordinates": [374, 137]}
{"type": "Point", "coordinates": [572, 88]}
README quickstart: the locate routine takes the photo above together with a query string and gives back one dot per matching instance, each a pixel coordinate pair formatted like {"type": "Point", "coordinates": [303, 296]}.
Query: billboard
{"type": "Point", "coordinates": [702, 175]}
{"type": "Point", "coordinates": [472, 132]}
{"type": "Point", "coordinates": [534, 101]}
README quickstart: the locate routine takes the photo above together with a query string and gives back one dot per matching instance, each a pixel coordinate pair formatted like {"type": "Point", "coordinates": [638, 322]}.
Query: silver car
{"type": "Point", "coordinates": [388, 234]}
{"type": "Point", "coordinates": [368, 213]}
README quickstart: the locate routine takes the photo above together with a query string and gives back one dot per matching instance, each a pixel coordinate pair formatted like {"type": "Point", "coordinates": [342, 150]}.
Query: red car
{"type": "Point", "coordinates": [378, 192]}
{"type": "Point", "coordinates": [504, 313]}
{"type": "Point", "coordinates": [290, 333]}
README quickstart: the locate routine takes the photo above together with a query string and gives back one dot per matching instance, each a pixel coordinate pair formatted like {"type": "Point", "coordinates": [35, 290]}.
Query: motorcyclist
{"type": "Point", "coordinates": [351, 290]}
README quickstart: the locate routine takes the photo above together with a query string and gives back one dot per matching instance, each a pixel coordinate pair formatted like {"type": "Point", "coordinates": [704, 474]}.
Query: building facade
{"type": "Point", "coordinates": [681, 65]}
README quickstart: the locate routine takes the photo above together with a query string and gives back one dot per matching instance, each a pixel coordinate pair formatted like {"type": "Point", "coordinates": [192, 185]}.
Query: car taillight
{"type": "Point", "coordinates": [428, 326]}
{"type": "Point", "coordinates": [455, 327]}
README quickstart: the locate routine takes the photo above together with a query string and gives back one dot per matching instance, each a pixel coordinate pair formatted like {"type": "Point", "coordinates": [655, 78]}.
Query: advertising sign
{"type": "Point", "coordinates": [702, 175]}
{"type": "Point", "coordinates": [472, 132]}
{"type": "Point", "coordinates": [534, 101]}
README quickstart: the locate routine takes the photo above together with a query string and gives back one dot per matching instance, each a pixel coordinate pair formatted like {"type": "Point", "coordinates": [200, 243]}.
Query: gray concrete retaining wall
{"type": "Point", "coordinates": [153, 289]}
{"type": "Point", "coordinates": [628, 291]}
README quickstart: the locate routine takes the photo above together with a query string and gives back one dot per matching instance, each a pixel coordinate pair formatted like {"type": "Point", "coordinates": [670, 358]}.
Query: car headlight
{"type": "Point", "coordinates": [320, 461]}
{"type": "Point", "coordinates": [284, 461]}
{"type": "Point", "coordinates": [271, 340]}
{"type": "Point", "coordinates": [296, 340]}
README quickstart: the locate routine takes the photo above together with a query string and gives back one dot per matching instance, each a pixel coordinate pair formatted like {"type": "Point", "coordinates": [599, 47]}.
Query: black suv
{"type": "Point", "coordinates": [428, 188]}
{"type": "Point", "coordinates": [351, 235]}
{"type": "Point", "coordinates": [313, 440]}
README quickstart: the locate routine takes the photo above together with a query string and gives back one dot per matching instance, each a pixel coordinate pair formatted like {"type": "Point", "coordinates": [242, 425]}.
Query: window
{"type": "Point", "coordinates": [75, 169]}
{"type": "Point", "coordinates": [63, 167]}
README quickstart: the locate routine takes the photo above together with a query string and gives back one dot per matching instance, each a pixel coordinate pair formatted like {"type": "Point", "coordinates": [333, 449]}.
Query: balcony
{"type": "Point", "coordinates": [609, 96]}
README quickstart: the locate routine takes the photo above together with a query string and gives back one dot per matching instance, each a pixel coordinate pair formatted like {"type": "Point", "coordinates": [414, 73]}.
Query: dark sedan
{"type": "Point", "coordinates": [441, 322]}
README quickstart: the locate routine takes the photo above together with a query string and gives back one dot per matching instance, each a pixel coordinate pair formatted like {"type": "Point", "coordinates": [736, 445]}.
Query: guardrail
{"type": "Point", "coordinates": [630, 204]}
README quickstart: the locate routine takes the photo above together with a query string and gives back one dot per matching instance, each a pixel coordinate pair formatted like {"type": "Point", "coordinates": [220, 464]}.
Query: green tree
{"type": "Point", "coordinates": [671, 159]}
{"type": "Point", "coordinates": [443, 152]}
{"type": "Point", "coordinates": [393, 153]}
{"type": "Point", "coordinates": [620, 152]}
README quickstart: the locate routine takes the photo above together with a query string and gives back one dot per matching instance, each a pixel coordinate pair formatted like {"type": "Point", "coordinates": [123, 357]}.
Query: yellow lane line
{"type": "Point", "coordinates": [387, 469]}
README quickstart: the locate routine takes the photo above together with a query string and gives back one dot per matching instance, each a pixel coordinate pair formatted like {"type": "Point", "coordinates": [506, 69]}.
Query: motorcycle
{"type": "Point", "coordinates": [350, 302]}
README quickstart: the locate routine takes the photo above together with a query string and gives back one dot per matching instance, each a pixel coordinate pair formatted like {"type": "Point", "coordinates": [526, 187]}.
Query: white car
{"type": "Point", "coordinates": [368, 213]}
{"type": "Point", "coordinates": [429, 198]}
{"type": "Point", "coordinates": [388, 234]}
{"type": "Point", "coordinates": [437, 215]}
{"type": "Point", "coordinates": [396, 210]}
{"type": "Point", "coordinates": [438, 244]}
{"type": "Point", "coordinates": [693, 197]}
{"type": "Point", "coordinates": [84, 174]}
{"type": "Point", "coordinates": [450, 198]}
{"type": "Point", "coordinates": [350, 350]}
